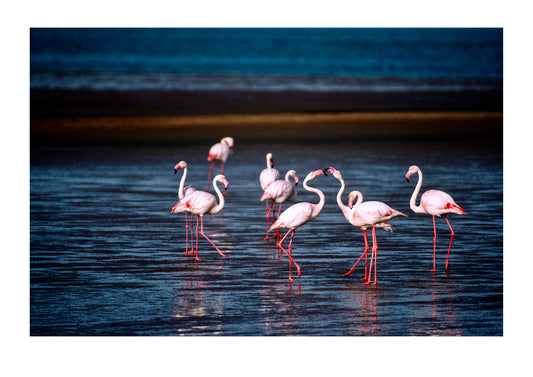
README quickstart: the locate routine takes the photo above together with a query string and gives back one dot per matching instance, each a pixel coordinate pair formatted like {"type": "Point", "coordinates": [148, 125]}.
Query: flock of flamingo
{"type": "Point", "coordinates": [364, 215]}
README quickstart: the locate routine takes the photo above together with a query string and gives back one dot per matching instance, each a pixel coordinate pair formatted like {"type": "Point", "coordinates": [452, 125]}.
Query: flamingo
{"type": "Point", "coordinates": [219, 152]}
{"type": "Point", "coordinates": [434, 203]}
{"type": "Point", "coordinates": [280, 191]}
{"type": "Point", "coordinates": [371, 214]}
{"type": "Point", "coordinates": [182, 192]}
{"type": "Point", "coordinates": [266, 177]}
{"type": "Point", "coordinates": [297, 215]}
{"type": "Point", "coordinates": [199, 203]}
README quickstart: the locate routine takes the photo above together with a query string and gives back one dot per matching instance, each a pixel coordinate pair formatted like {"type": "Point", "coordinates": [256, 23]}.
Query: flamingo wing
{"type": "Point", "coordinates": [219, 151]}
{"type": "Point", "coordinates": [268, 176]}
{"type": "Point", "coordinates": [437, 203]}
{"type": "Point", "coordinates": [294, 216]}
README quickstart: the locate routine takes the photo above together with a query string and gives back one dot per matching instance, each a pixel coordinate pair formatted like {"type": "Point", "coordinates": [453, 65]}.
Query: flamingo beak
{"type": "Point", "coordinates": [407, 176]}
{"type": "Point", "coordinates": [176, 169]}
{"type": "Point", "coordinates": [271, 163]}
{"type": "Point", "coordinates": [350, 203]}
{"type": "Point", "coordinates": [226, 184]}
{"type": "Point", "coordinates": [325, 172]}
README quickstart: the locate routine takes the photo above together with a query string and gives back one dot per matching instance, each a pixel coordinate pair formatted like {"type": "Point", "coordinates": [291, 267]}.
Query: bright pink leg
{"type": "Point", "coordinates": [280, 244]}
{"type": "Point", "coordinates": [187, 235]}
{"type": "Point", "coordinates": [375, 245]}
{"type": "Point", "coordinates": [197, 239]}
{"type": "Point", "coordinates": [365, 253]}
{"type": "Point", "coordinates": [268, 209]}
{"type": "Point", "coordinates": [207, 238]}
{"type": "Point", "coordinates": [451, 239]}
{"type": "Point", "coordinates": [373, 258]}
{"type": "Point", "coordinates": [434, 243]}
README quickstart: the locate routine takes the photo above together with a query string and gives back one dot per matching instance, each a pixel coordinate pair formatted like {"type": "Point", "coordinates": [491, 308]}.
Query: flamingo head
{"type": "Point", "coordinates": [352, 197]}
{"type": "Point", "coordinates": [270, 160]}
{"type": "Point", "coordinates": [292, 173]}
{"type": "Point", "coordinates": [181, 164]}
{"type": "Point", "coordinates": [221, 178]}
{"type": "Point", "coordinates": [227, 140]}
{"type": "Point", "coordinates": [335, 172]}
{"type": "Point", "coordinates": [412, 169]}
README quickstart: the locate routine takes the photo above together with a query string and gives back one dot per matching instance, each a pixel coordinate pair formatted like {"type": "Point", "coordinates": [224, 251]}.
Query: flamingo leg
{"type": "Point", "coordinates": [373, 258]}
{"type": "Point", "coordinates": [289, 253]}
{"type": "Point", "coordinates": [268, 208]}
{"type": "Point", "coordinates": [365, 253]}
{"type": "Point", "coordinates": [375, 245]}
{"type": "Point", "coordinates": [197, 238]}
{"type": "Point", "coordinates": [187, 234]}
{"type": "Point", "coordinates": [434, 243]}
{"type": "Point", "coordinates": [449, 247]}
{"type": "Point", "coordinates": [207, 238]}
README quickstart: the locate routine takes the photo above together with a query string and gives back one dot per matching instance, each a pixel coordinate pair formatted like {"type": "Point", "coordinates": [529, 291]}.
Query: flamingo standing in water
{"type": "Point", "coordinates": [371, 214]}
{"type": "Point", "coordinates": [434, 203]}
{"type": "Point", "coordinates": [199, 203]}
{"type": "Point", "coordinates": [182, 192]}
{"type": "Point", "coordinates": [280, 191]}
{"type": "Point", "coordinates": [266, 177]}
{"type": "Point", "coordinates": [219, 152]}
{"type": "Point", "coordinates": [297, 215]}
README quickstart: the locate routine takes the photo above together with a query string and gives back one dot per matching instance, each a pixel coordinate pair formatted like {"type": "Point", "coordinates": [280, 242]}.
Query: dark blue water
{"type": "Point", "coordinates": [267, 59]}
{"type": "Point", "coordinates": [106, 255]}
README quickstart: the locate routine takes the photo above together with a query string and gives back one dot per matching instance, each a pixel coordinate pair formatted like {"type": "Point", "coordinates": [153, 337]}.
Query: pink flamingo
{"type": "Point", "coordinates": [371, 214]}
{"type": "Point", "coordinates": [434, 203]}
{"type": "Point", "coordinates": [219, 152]}
{"type": "Point", "coordinates": [199, 203]}
{"type": "Point", "coordinates": [280, 191]}
{"type": "Point", "coordinates": [182, 192]}
{"type": "Point", "coordinates": [266, 177]}
{"type": "Point", "coordinates": [297, 215]}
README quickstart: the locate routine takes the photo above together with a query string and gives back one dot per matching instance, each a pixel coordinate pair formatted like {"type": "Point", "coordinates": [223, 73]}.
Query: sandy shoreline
{"type": "Point", "coordinates": [279, 127]}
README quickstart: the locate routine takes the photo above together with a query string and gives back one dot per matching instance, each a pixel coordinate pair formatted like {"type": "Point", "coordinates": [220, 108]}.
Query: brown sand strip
{"type": "Point", "coordinates": [288, 127]}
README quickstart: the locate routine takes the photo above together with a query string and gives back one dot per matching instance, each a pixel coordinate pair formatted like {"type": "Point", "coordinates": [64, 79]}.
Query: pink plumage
{"type": "Point", "coordinates": [434, 203]}
{"type": "Point", "coordinates": [371, 214]}
{"type": "Point", "coordinates": [219, 152]}
{"type": "Point", "coordinates": [200, 203]}
{"type": "Point", "coordinates": [298, 215]}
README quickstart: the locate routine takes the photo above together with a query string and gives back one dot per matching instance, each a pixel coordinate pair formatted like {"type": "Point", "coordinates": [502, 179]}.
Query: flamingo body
{"type": "Point", "coordinates": [269, 174]}
{"type": "Point", "coordinates": [371, 214]}
{"type": "Point", "coordinates": [182, 192]}
{"type": "Point", "coordinates": [219, 152]}
{"type": "Point", "coordinates": [434, 203]}
{"type": "Point", "coordinates": [200, 203]}
{"type": "Point", "coordinates": [297, 215]}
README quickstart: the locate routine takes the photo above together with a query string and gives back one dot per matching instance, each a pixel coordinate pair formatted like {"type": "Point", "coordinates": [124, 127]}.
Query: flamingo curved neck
{"type": "Point", "coordinates": [344, 208]}
{"type": "Point", "coordinates": [317, 207]}
{"type": "Point", "coordinates": [412, 202]}
{"type": "Point", "coordinates": [359, 197]}
{"type": "Point", "coordinates": [220, 204]}
{"type": "Point", "coordinates": [269, 162]}
{"type": "Point", "coordinates": [181, 194]}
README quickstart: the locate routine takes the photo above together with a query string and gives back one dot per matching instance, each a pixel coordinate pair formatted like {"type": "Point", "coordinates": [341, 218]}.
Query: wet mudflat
{"type": "Point", "coordinates": [106, 255]}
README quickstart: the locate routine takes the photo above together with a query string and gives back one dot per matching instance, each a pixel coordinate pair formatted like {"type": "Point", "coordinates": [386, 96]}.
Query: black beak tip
{"type": "Point", "coordinates": [407, 179]}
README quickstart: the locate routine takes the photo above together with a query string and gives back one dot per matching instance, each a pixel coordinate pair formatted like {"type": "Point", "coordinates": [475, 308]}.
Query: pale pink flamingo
{"type": "Point", "coordinates": [219, 152]}
{"type": "Point", "coordinates": [297, 215]}
{"type": "Point", "coordinates": [199, 203]}
{"type": "Point", "coordinates": [266, 177]}
{"type": "Point", "coordinates": [434, 203]}
{"type": "Point", "coordinates": [280, 191]}
{"type": "Point", "coordinates": [182, 192]}
{"type": "Point", "coordinates": [371, 214]}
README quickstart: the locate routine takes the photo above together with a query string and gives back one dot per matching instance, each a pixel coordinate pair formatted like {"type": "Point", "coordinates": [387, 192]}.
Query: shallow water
{"type": "Point", "coordinates": [106, 254]}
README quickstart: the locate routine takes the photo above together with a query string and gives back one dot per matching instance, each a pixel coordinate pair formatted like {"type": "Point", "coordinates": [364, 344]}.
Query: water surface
{"type": "Point", "coordinates": [107, 256]}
